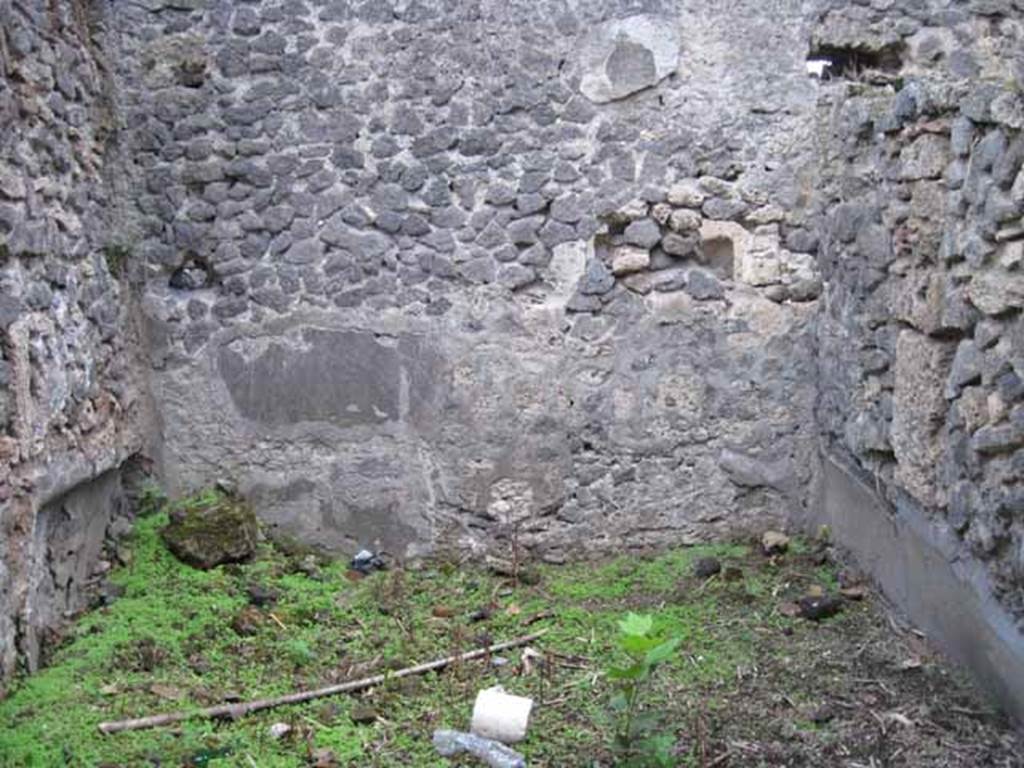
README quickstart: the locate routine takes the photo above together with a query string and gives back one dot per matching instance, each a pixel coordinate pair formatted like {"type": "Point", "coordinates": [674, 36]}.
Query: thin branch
{"type": "Point", "coordinates": [244, 708]}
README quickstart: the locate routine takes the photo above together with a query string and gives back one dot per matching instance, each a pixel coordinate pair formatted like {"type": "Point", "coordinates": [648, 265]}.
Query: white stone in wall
{"type": "Point", "coordinates": [686, 194]}
{"type": "Point", "coordinates": [1011, 255]}
{"type": "Point", "coordinates": [629, 259]}
{"type": "Point", "coordinates": [759, 269]}
{"type": "Point", "coordinates": [1017, 191]}
{"type": "Point", "coordinates": [684, 221]}
{"type": "Point", "coordinates": [633, 210]}
{"type": "Point", "coordinates": [996, 292]}
{"type": "Point", "coordinates": [798, 266]}
{"type": "Point", "coordinates": [1008, 108]}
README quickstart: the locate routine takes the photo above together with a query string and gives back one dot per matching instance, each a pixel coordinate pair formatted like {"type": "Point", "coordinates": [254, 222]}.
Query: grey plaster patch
{"type": "Point", "coordinates": [623, 56]}
{"type": "Point", "coordinates": [345, 378]}
{"type": "Point", "coordinates": [363, 502]}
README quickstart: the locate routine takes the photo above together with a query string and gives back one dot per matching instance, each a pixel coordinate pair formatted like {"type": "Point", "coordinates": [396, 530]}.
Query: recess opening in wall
{"type": "Point", "coordinates": [829, 62]}
{"type": "Point", "coordinates": [720, 256]}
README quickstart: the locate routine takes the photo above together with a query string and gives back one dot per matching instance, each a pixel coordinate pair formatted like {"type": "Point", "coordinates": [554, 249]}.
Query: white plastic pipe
{"type": "Point", "coordinates": [500, 716]}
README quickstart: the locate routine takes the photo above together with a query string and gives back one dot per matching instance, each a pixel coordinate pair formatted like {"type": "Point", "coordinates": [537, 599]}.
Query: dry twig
{"type": "Point", "coordinates": [244, 708]}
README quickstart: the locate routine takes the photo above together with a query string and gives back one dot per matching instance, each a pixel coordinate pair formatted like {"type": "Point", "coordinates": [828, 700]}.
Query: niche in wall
{"type": "Point", "coordinates": [720, 255]}
{"type": "Point", "coordinates": [830, 62]}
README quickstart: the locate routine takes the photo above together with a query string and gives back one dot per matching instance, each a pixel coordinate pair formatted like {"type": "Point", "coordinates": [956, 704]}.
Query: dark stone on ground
{"type": "Point", "coordinates": [707, 567]}
{"type": "Point", "coordinates": [108, 594]}
{"type": "Point", "coordinates": [529, 576]}
{"type": "Point", "coordinates": [818, 608]}
{"type": "Point", "coordinates": [363, 714]}
{"type": "Point", "coordinates": [481, 614]}
{"type": "Point", "coordinates": [732, 573]}
{"type": "Point", "coordinates": [261, 596]}
{"type": "Point", "coordinates": [823, 714]}
{"type": "Point", "coordinates": [248, 622]}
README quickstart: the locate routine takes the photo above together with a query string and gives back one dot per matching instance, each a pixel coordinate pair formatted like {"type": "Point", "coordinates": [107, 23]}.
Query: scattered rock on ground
{"type": "Point", "coordinates": [310, 566]}
{"type": "Point", "coordinates": [247, 622]}
{"type": "Point", "coordinates": [328, 713]}
{"type": "Point", "coordinates": [850, 577]}
{"type": "Point", "coordinates": [732, 573]}
{"type": "Point", "coordinates": [210, 531]}
{"type": "Point", "coordinates": [818, 608]}
{"type": "Point", "coordinates": [280, 730]}
{"type": "Point", "coordinates": [707, 567]}
{"type": "Point", "coordinates": [169, 692]}
{"type": "Point", "coordinates": [792, 610]}
{"type": "Point", "coordinates": [774, 543]}
{"type": "Point", "coordinates": [366, 562]}
{"type": "Point", "coordinates": [499, 566]}
{"type": "Point", "coordinates": [323, 758]}
{"type": "Point", "coordinates": [108, 594]}
{"type": "Point", "coordinates": [261, 596]}
{"type": "Point", "coordinates": [481, 614]}
{"type": "Point", "coordinates": [363, 714]}
{"type": "Point", "coordinates": [823, 714]}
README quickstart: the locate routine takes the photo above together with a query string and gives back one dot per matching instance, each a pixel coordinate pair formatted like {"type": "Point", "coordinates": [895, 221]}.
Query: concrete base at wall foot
{"type": "Point", "coordinates": [921, 567]}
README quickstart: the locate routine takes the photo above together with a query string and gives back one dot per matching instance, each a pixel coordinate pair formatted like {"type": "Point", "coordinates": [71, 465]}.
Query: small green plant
{"type": "Point", "coordinates": [117, 256]}
{"type": "Point", "coordinates": [202, 499]}
{"type": "Point", "coordinates": [300, 653]}
{"type": "Point", "coordinates": [636, 729]}
{"type": "Point", "coordinates": [151, 498]}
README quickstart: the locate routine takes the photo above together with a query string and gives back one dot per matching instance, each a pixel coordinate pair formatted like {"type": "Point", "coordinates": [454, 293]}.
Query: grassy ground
{"type": "Point", "coordinates": [751, 685]}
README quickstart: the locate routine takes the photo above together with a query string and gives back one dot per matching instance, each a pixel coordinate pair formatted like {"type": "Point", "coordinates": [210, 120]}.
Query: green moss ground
{"type": "Point", "coordinates": [168, 643]}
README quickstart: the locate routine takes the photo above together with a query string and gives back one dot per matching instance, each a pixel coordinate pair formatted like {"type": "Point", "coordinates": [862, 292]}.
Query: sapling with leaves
{"type": "Point", "coordinates": [637, 737]}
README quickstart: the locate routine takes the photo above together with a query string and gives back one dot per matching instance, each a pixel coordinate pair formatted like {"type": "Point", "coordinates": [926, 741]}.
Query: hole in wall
{"type": "Point", "coordinates": [720, 255]}
{"type": "Point", "coordinates": [193, 274]}
{"type": "Point", "coordinates": [830, 62]}
{"type": "Point", "coordinates": [192, 73]}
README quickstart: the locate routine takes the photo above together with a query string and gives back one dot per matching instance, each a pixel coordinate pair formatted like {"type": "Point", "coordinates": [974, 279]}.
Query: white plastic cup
{"type": "Point", "coordinates": [500, 716]}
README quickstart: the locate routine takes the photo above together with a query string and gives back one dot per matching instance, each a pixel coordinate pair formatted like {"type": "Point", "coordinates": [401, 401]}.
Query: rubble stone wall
{"type": "Point", "coordinates": [425, 274]}
{"type": "Point", "coordinates": [68, 392]}
{"type": "Point", "coordinates": [921, 336]}
{"type": "Point", "coordinates": [922, 244]}
{"type": "Point", "coordinates": [421, 274]}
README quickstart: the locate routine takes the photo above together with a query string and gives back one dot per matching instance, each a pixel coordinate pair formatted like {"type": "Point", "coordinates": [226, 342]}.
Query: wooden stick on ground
{"type": "Point", "coordinates": [244, 708]}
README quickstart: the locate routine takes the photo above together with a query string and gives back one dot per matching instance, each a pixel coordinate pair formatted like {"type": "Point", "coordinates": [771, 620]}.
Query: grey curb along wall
{"type": "Point", "coordinates": [608, 274]}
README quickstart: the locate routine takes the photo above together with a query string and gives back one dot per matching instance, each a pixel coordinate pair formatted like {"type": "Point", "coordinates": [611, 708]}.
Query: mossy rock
{"type": "Point", "coordinates": [210, 529]}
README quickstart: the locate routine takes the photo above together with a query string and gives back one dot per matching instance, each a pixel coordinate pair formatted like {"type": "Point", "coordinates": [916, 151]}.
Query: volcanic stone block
{"type": "Point", "coordinates": [919, 409]}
